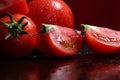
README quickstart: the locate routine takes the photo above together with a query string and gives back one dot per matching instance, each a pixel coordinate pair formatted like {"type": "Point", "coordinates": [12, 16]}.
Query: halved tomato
{"type": "Point", "coordinates": [56, 40]}
{"type": "Point", "coordinates": [102, 40]}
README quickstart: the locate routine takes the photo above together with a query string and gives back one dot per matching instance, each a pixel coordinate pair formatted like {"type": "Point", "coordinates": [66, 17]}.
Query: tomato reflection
{"type": "Point", "coordinates": [18, 70]}
{"type": "Point", "coordinates": [63, 70]}
{"type": "Point", "coordinates": [104, 72]}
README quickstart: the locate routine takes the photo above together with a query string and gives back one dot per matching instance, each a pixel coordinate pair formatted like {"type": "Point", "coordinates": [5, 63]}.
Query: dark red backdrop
{"type": "Point", "coordinates": [96, 12]}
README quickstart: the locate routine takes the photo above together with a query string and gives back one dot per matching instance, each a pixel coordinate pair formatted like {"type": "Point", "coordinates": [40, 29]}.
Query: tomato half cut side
{"type": "Point", "coordinates": [59, 41]}
{"type": "Point", "coordinates": [102, 40]}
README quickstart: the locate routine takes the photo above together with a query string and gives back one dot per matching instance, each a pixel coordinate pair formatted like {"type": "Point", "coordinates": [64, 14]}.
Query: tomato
{"type": "Point", "coordinates": [15, 35]}
{"type": "Point", "coordinates": [104, 72]}
{"type": "Point", "coordinates": [56, 40]}
{"type": "Point", "coordinates": [102, 40]}
{"type": "Point", "coordinates": [13, 6]}
{"type": "Point", "coordinates": [50, 12]}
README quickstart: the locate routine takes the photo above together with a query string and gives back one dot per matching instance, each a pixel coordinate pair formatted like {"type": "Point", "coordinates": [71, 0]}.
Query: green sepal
{"type": "Point", "coordinates": [15, 28]}
{"type": "Point", "coordinates": [45, 28]}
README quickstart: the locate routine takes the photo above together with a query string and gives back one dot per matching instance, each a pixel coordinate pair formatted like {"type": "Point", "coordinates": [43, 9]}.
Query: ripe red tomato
{"type": "Point", "coordinates": [13, 6]}
{"type": "Point", "coordinates": [50, 12]}
{"type": "Point", "coordinates": [59, 41]}
{"type": "Point", "coordinates": [104, 72]}
{"type": "Point", "coordinates": [102, 40]}
{"type": "Point", "coordinates": [15, 36]}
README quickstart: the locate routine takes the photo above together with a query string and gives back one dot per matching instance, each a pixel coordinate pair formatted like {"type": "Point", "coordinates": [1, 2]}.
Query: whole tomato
{"type": "Point", "coordinates": [96, 12]}
{"type": "Point", "coordinates": [13, 6]}
{"type": "Point", "coordinates": [16, 31]}
{"type": "Point", "coordinates": [50, 12]}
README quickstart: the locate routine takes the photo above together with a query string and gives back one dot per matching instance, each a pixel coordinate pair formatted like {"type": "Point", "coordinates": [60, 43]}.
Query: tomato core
{"type": "Point", "coordinates": [67, 43]}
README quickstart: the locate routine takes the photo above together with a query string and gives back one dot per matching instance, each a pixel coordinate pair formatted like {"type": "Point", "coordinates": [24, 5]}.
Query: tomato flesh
{"type": "Point", "coordinates": [60, 41]}
{"type": "Point", "coordinates": [108, 36]}
{"type": "Point", "coordinates": [102, 40]}
{"type": "Point", "coordinates": [64, 39]}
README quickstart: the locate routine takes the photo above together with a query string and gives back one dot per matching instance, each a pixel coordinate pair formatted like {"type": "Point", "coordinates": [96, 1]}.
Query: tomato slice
{"type": "Point", "coordinates": [13, 6]}
{"type": "Point", "coordinates": [102, 40]}
{"type": "Point", "coordinates": [59, 41]}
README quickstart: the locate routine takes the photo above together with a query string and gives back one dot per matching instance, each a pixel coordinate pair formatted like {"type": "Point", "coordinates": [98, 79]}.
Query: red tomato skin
{"type": "Point", "coordinates": [21, 45]}
{"type": "Point", "coordinates": [50, 12]}
{"type": "Point", "coordinates": [13, 6]}
{"type": "Point", "coordinates": [97, 46]}
{"type": "Point", "coordinates": [47, 46]}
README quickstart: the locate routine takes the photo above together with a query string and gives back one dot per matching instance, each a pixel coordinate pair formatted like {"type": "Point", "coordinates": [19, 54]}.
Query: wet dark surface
{"type": "Point", "coordinates": [79, 67]}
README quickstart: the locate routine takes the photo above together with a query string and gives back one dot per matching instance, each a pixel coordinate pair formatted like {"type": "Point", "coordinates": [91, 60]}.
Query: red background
{"type": "Point", "coordinates": [104, 13]}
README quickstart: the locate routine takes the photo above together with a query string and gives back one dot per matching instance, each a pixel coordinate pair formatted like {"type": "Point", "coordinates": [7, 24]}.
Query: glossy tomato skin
{"type": "Point", "coordinates": [19, 46]}
{"type": "Point", "coordinates": [103, 41]}
{"type": "Point", "coordinates": [13, 6]}
{"type": "Point", "coordinates": [59, 41]}
{"type": "Point", "coordinates": [50, 12]}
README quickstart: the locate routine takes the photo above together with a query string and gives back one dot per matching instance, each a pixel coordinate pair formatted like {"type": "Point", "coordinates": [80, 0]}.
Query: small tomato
{"type": "Point", "coordinates": [15, 35]}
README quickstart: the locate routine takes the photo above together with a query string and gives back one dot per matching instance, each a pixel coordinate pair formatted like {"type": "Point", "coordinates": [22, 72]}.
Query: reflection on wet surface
{"type": "Point", "coordinates": [79, 67]}
{"type": "Point", "coordinates": [104, 72]}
